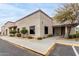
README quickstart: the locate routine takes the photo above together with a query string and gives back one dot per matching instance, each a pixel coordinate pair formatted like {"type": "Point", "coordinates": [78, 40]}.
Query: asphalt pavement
{"type": "Point", "coordinates": [62, 50]}
{"type": "Point", "coordinates": [8, 49]}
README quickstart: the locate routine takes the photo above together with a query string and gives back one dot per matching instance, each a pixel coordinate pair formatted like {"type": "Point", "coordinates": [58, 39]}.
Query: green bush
{"type": "Point", "coordinates": [18, 35]}
{"type": "Point", "coordinates": [77, 35]}
{"type": "Point", "coordinates": [24, 30]}
{"type": "Point", "coordinates": [11, 35]}
{"type": "Point", "coordinates": [73, 35]}
{"type": "Point", "coordinates": [50, 35]}
{"type": "Point", "coordinates": [30, 37]}
{"type": "Point", "coordinates": [39, 38]}
{"type": "Point", "coordinates": [12, 31]}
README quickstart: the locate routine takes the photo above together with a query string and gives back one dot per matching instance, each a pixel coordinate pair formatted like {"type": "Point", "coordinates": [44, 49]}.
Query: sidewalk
{"type": "Point", "coordinates": [40, 46]}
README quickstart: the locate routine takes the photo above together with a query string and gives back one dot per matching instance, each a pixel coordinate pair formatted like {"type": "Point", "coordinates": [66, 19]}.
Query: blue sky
{"type": "Point", "coordinates": [15, 11]}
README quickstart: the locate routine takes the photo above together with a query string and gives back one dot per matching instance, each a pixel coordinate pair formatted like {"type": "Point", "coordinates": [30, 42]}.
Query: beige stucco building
{"type": "Point", "coordinates": [39, 24]}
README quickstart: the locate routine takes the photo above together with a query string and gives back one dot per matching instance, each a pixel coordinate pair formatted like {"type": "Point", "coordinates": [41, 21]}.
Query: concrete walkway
{"type": "Point", "coordinates": [40, 46]}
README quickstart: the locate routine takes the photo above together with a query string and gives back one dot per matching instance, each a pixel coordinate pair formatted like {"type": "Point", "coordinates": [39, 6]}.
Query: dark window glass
{"type": "Point", "coordinates": [32, 29]}
{"type": "Point", "coordinates": [46, 30]}
{"type": "Point", "coordinates": [18, 30]}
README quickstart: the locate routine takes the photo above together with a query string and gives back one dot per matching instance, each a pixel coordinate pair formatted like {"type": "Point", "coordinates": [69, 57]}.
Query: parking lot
{"type": "Point", "coordinates": [63, 50]}
{"type": "Point", "coordinates": [62, 47]}
{"type": "Point", "coordinates": [7, 49]}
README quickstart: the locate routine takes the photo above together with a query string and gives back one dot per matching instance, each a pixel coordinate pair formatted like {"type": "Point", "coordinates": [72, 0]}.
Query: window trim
{"type": "Point", "coordinates": [32, 29]}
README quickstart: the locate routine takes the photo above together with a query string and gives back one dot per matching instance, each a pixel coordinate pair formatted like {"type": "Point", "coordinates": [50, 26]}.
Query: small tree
{"type": "Point", "coordinates": [69, 12]}
{"type": "Point", "coordinates": [13, 32]}
{"type": "Point", "coordinates": [24, 31]}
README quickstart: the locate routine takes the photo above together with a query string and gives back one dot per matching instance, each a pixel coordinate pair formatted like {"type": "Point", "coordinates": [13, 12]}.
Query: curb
{"type": "Point", "coordinates": [69, 44]}
{"type": "Point", "coordinates": [51, 48]}
{"type": "Point", "coordinates": [24, 48]}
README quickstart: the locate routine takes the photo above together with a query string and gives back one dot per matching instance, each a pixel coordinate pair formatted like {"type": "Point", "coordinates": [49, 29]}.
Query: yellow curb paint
{"type": "Point", "coordinates": [24, 48]}
{"type": "Point", "coordinates": [50, 48]}
{"type": "Point", "coordinates": [69, 44]}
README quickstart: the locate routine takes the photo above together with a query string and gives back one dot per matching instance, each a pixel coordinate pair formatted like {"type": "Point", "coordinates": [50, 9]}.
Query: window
{"type": "Point", "coordinates": [6, 31]}
{"type": "Point", "coordinates": [18, 30]}
{"type": "Point", "coordinates": [32, 29]}
{"type": "Point", "coordinates": [46, 30]}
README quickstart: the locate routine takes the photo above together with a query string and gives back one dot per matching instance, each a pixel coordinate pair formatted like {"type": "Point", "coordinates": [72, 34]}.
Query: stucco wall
{"type": "Point", "coordinates": [2, 30]}
{"type": "Point", "coordinates": [73, 30]}
{"type": "Point", "coordinates": [6, 26]}
{"type": "Point", "coordinates": [32, 20]}
{"type": "Point", "coordinates": [45, 21]}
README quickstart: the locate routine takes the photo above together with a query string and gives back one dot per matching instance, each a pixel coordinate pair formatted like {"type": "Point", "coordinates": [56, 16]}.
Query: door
{"type": "Point", "coordinates": [62, 30]}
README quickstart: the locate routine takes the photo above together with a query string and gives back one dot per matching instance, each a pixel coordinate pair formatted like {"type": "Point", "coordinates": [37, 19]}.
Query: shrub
{"type": "Point", "coordinates": [11, 35]}
{"type": "Point", "coordinates": [30, 37]}
{"type": "Point", "coordinates": [50, 35]}
{"type": "Point", "coordinates": [12, 32]}
{"type": "Point", "coordinates": [73, 35]}
{"type": "Point", "coordinates": [39, 38]}
{"type": "Point", "coordinates": [18, 35]}
{"type": "Point", "coordinates": [77, 35]}
{"type": "Point", "coordinates": [69, 36]}
{"type": "Point", "coordinates": [24, 31]}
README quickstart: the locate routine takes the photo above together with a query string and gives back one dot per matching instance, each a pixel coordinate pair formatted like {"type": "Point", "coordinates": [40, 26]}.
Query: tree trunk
{"type": "Point", "coordinates": [69, 30]}
{"type": "Point", "coordinates": [70, 27]}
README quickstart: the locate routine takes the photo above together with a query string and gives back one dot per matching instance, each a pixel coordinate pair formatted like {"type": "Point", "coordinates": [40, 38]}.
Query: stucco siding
{"type": "Point", "coordinates": [6, 27]}
{"type": "Point", "coordinates": [45, 21]}
{"type": "Point", "coordinates": [73, 30]}
{"type": "Point", "coordinates": [33, 20]}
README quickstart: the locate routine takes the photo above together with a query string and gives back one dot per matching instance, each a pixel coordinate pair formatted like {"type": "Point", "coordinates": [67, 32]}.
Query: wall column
{"type": "Point", "coordinates": [66, 31]}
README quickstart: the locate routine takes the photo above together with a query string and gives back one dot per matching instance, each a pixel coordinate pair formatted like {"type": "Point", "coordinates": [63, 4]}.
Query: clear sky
{"type": "Point", "coordinates": [15, 11]}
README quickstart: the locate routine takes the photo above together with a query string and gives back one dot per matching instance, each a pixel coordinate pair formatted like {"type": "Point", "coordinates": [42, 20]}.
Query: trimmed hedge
{"type": "Point", "coordinates": [73, 35]}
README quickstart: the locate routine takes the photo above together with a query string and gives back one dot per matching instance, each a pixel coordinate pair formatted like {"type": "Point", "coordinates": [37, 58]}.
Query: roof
{"type": "Point", "coordinates": [61, 25]}
{"type": "Point", "coordinates": [34, 13]}
{"type": "Point", "coordinates": [66, 23]}
{"type": "Point", "coordinates": [7, 22]}
{"type": "Point", "coordinates": [55, 23]}
{"type": "Point", "coordinates": [28, 16]}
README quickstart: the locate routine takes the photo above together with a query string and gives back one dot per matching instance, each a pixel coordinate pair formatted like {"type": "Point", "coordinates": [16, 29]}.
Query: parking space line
{"type": "Point", "coordinates": [75, 51]}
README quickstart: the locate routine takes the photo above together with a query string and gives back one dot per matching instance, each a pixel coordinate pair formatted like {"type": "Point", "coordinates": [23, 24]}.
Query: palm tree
{"type": "Point", "coordinates": [67, 12]}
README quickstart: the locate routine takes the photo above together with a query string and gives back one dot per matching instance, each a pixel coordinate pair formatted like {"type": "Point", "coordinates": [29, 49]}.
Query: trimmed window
{"type": "Point", "coordinates": [46, 29]}
{"type": "Point", "coordinates": [32, 29]}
